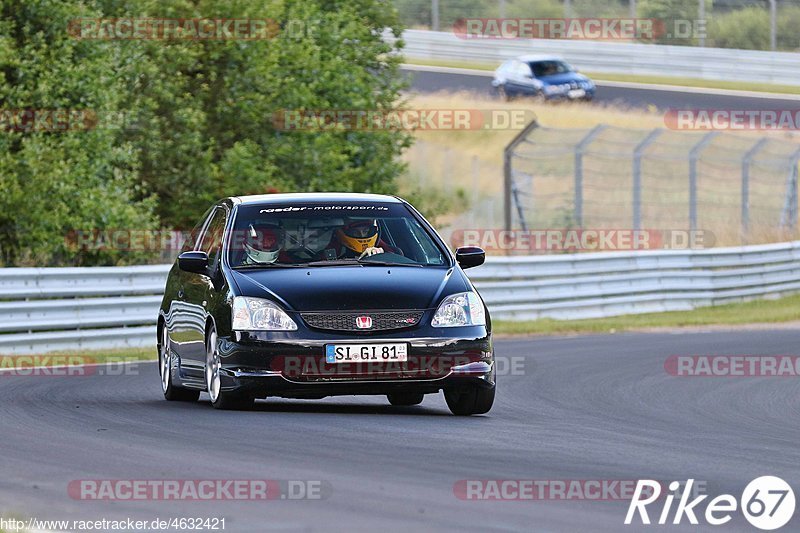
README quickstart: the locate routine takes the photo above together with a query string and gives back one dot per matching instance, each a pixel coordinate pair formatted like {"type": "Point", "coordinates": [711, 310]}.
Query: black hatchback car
{"type": "Point", "coordinates": [315, 295]}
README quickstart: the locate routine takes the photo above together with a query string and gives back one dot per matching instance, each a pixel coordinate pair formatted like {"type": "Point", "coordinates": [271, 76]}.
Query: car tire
{"type": "Point", "coordinates": [472, 401]}
{"type": "Point", "coordinates": [405, 398]}
{"type": "Point", "coordinates": [166, 360]}
{"type": "Point", "coordinates": [220, 399]}
{"type": "Point", "coordinates": [501, 92]}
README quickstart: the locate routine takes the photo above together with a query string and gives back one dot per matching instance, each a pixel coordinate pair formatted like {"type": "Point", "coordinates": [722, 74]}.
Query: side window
{"type": "Point", "coordinates": [191, 239]}
{"type": "Point", "coordinates": [523, 70]}
{"type": "Point", "coordinates": [212, 238]}
{"type": "Point", "coordinates": [432, 255]}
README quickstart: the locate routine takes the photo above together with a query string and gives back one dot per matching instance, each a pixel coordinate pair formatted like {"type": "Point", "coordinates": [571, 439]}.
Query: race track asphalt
{"type": "Point", "coordinates": [425, 81]}
{"type": "Point", "coordinates": [598, 407]}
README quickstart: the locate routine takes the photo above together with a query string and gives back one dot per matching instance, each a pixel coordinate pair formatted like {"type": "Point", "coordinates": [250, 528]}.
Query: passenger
{"type": "Point", "coordinates": [357, 239]}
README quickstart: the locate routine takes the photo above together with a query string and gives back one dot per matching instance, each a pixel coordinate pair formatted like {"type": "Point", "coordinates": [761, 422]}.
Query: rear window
{"type": "Point", "coordinates": [327, 234]}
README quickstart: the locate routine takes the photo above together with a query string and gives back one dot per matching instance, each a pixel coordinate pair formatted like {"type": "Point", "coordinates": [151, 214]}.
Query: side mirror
{"type": "Point", "coordinates": [196, 262]}
{"type": "Point", "coordinates": [470, 256]}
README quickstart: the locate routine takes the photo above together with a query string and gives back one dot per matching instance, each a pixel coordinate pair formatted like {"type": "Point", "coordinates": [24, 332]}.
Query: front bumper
{"type": "Point", "coordinates": [273, 364]}
{"type": "Point", "coordinates": [579, 93]}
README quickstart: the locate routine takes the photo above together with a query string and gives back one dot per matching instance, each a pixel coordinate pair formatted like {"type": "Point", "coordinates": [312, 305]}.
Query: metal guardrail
{"type": "Point", "coordinates": [617, 283]}
{"type": "Point", "coordinates": [59, 309]}
{"type": "Point", "coordinates": [615, 57]}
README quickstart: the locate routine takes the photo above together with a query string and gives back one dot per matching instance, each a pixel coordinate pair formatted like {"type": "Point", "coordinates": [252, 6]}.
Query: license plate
{"type": "Point", "coordinates": [576, 93]}
{"type": "Point", "coordinates": [358, 353]}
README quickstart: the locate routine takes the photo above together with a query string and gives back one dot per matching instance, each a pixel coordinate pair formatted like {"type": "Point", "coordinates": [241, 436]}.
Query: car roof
{"type": "Point", "coordinates": [539, 57]}
{"type": "Point", "coordinates": [315, 197]}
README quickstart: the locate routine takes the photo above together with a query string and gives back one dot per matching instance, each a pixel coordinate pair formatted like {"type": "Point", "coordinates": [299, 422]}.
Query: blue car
{"type": "Point", "coordinates": [546, 77]}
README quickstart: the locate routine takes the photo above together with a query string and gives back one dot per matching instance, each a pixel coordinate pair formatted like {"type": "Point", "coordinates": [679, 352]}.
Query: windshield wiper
{"type": "Point", "coordinates": [387, 263]}
{"type": "Point", "coordinates": [354, 261]}
{"type": "Point", "coordinates": [333, 262]}
{"type": "Point", "coordinates": [266, 265]}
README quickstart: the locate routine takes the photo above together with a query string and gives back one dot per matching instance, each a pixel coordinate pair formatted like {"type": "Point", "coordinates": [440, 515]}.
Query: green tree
{"type": "Point", "coordinates": [52, 182]}
{"type": "Point", "coordinates": [199, 115]}
{"type": "Point", "coordinates": [672, 17]}
{"type": "Point", "coordinates": [204, 108]}
{"type": "Point", "coordinates": [746, 28]}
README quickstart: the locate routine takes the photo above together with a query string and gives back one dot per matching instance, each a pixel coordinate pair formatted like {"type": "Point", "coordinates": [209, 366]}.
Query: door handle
{"type": "Point", "coordinates": [181, 294]}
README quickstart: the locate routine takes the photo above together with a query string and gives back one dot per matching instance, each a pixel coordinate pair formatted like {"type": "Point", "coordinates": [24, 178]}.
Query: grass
{"type": "Point", "coordinates": [86, 357]}
{"type": "Point", "coordinates": [753, 312]}
{"type": "Point", "coordinates": [636, 78]}
{"type": "Point", "coordinates": [472, 162]}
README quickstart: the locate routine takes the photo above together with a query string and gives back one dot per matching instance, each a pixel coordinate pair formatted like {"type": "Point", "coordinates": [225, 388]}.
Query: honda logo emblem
{"type": "Point", "coordinates": [364, 322]}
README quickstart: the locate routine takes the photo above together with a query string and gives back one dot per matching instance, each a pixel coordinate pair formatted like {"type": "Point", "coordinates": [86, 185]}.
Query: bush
{"type": "Point", "coordinates": [55, 182]}
{"type": "Point", "coordinates": [746, 29]}
{"type": "Point", "coordinates": [788, 24]}
{"type": "Point", "coordinates": [202, 114]}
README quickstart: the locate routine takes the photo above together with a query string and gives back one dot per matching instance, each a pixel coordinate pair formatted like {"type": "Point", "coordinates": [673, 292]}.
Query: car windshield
{"type": "Point", "coordinates": [326, 234]}
{"type": "Point", "coordinates": [548, 68]}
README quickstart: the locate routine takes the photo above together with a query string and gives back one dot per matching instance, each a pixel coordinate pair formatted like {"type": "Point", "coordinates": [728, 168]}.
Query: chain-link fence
{"type": "Point", "coordinates": [743, 189]}
{"type": "Point", "coordinates": [457, 190]}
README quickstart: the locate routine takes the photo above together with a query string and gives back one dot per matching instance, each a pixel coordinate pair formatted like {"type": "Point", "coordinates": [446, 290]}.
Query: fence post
{"type": "Point", "coordinates": [579, 149]}
{"type": "Point", "coordinates": [508, 178]}
{"type": "Point", "coordinates": [518, 203]}
{"type": "Point", "coordinates": [475, 186]}
{"type": "Point", "coordinates": [637, 175]}
{"type": "Point", "coordinates": [746, 160]}
{"type": "Point", "coordinates": [694, 154]}
{"type": "Point", "coordinates": [789, 213]}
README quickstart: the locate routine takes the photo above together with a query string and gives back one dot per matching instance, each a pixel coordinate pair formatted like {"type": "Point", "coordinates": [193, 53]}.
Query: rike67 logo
{"type": "Point", "coordinates": [767, 503]}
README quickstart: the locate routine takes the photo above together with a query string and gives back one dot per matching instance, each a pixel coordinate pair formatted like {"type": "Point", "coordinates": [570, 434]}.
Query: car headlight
{"type": "Point", "coordinates": [461, 309]}
{"type": "Point", "coordinates": [258, 314]}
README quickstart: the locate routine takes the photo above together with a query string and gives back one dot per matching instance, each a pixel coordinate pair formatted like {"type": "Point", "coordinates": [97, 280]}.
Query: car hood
{"type": "Point", "coordinates": [341, 288]}
{"type": "Point", "coordinates": [565, 77]}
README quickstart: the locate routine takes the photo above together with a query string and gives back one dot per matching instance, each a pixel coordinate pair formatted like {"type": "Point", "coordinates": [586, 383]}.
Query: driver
{"type": "Point", "coordinates": [357, 239]}
{"type": "Point", "coordinates": [263, 244]}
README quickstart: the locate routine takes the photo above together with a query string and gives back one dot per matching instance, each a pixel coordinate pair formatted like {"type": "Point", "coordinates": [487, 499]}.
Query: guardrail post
{"type": "Point", "coordinates": [508, 178]}
{"type": "Point", "coordinates": [637, 175]}
{"type": "Point", "coordinates": [579, 150]}
{"type": "Point", "coordinates": [694, 154]}
{"type": "Point", "coordinates": [746, 160]}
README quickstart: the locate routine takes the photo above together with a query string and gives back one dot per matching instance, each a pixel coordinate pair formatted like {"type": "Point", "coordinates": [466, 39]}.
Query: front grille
{"type": "Point", "coordinates": [381, 320]}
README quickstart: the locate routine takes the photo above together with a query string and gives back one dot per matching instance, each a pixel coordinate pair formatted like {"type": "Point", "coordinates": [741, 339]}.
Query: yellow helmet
{"type": "Point", "coordinates": [358, 235]}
